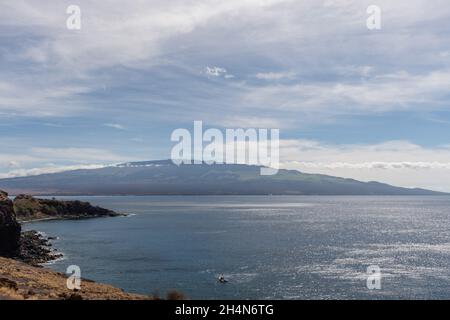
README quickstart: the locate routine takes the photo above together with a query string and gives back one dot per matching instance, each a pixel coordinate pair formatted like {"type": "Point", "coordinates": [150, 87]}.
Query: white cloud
{"type": "Point", "coordinates": [215, 71]}
{"type": "Point", "coordinates": [284, 34]}
{"type": "Point", "coordinates": [396, 162]}
{"type": "Point", "coordinates": [78, 155]}
{"type": "Point", "coordinates": [45, 170]}
{"type": "Point", "coordinates": [274, 75]}
{"type": "Point", "coordinates": [49, 71]}
{"type": "Point", "coordinates": [27, 158]}
{"type": "Point", "coordinates": [231, 121]}
{"type": "Point", "coordinates": [218, 72]}
{"type": "Point", "coordinates": [115, 126]}
{"type": "Point", "coordinates": [39, 160]}
{"type": "Point", "coordinates": [373, 165]}
{"type": "Point", "coordinates": [362, 71]}
{"type": "Point", "coordinates": [394, 152]}
{"type": "Point", "coordinates": [13, 164]}
{"type": "Point", "coordinates": [388, 92]}
{"type": "Point", "coordinates": [28, 98]}
{"type": "Point", "coordinates": [114, 34]}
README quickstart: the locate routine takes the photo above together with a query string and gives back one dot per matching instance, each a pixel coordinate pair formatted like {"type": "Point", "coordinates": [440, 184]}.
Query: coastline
{"type": "Point", "coordinates": [28, 277]}
{"type": "Point", "coordinates": [23, 275]}
{"type": "Point", "coordinates": [36, 248]}
{"type": "Point", "coordinates": [75, 217]}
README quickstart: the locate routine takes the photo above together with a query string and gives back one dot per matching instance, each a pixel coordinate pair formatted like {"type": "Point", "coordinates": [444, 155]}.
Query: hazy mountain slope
{"type": "Point", "coordinates": [163, 177]}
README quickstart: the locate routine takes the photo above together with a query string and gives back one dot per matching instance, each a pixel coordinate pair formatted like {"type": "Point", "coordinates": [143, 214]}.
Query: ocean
{"type": "Point", "coordinates": [267, 247]}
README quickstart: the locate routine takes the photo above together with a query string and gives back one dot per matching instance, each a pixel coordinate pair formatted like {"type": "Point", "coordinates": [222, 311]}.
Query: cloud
{"type": "Point", "coordinates": [51, 71]}
{"type": "Point", "coordinates": [231, 121]}
{"type": "Point", "coordinates": [25, 98]}
{"type": "Point", "coordinates": [373, 165]}
{"type": "Point", "coordinates": [115, 126]}
{"type": "Point", "coordinates": [46, 170]}
{"type": "Point", "coordinates": [386, 92]}
{"type": "Point", "coordinates": [362, 71]}
{"type": "Point", "coordinates": [215, 71]}
{"type": "Point", "coordinates": [13, 164]}
{"type": "Point", "coordinates": [113, 34]}
{"type": "Point", "coordinates": [218, 72]}
{"type": "Point", "coordinates": [27, 158]}
{"type": "Point", "coordinates": [40, 160]}
{"type": "Point", "coordinates": [400, 152]}
{"type": "Point", "coordinates": [78, 155]}
{"type": "Point", "coordinates": [275, 75]}
{"type": "Point", "coordinates": [396, 162]}
{"type": "Point", "coordinates": [144, 63]}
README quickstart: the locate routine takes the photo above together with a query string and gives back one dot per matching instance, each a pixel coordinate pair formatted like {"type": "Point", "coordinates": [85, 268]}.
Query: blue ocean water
{"type": "Point", "coordinates": [268, 247]}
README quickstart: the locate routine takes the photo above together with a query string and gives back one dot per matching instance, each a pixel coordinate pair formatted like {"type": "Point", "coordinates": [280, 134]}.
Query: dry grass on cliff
{"type": "Point", "coordinates": [21, 281]}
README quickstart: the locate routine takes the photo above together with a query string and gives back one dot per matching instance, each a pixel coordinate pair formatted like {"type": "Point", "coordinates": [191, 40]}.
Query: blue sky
{"type": "Point", "coordinates": [352, 102]}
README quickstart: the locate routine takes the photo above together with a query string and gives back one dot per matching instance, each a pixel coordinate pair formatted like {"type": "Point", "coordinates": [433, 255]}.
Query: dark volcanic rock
{"type": "Point", "coordinates": [28, 246]}
{"type": "Point", "coordinates": [7, 283]}
{"type": "Point", "coordinates": [29, 208]}
{"type": "Point", "coordinates": [35, 249]}
{"type": "Point", "coordinates": [9, 227]}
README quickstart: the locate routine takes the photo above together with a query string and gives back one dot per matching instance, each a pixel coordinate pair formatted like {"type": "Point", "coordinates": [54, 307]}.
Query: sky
{"type": "Point", "coordinates": [349, 101]}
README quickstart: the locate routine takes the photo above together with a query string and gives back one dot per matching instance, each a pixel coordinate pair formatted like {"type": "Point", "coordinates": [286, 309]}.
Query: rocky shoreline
{"type": "Point", "coordinates": [36, 249]}
{"type": "Point", "coordinates": [22, 253]}
{"type": "Point", "coordinates": [30, 246]}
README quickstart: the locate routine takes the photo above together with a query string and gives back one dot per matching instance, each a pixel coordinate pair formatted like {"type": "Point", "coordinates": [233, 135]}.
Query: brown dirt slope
{"type": "Point", "coordinates": [19, 281]}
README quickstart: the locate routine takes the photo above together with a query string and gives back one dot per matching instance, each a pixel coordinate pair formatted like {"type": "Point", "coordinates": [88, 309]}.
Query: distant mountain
{"type": "Point", "coordinates": [165, 178]}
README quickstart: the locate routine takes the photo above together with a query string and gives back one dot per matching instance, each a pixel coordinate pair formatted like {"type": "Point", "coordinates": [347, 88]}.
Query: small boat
{"type": "Point", "coordinates": [222, 279]}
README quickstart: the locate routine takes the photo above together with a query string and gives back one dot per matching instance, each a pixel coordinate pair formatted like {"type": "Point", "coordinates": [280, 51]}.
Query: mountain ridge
{"type": "Point", "coordinates": [162, 177]}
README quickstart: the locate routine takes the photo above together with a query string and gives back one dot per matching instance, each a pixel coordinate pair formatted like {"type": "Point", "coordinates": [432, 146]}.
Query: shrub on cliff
{"type": "Point", "coordinates": [30, 208]}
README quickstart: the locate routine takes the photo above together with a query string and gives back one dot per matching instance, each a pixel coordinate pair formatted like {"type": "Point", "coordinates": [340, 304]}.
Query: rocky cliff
{"type": "Point", "coordinates": [9, 227]}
